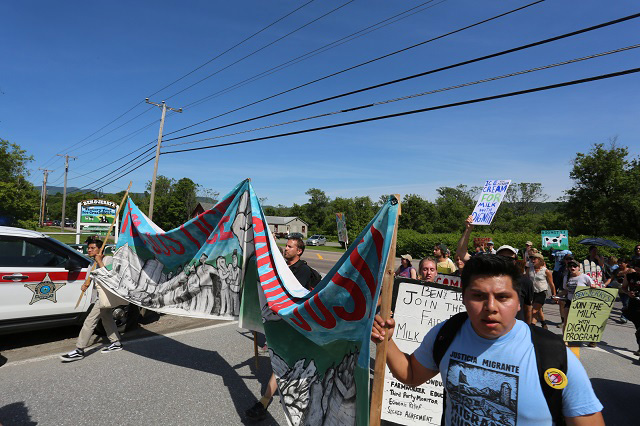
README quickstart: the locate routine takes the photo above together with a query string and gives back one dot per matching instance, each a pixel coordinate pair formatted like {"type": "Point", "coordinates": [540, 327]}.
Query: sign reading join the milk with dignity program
{"type": "Point", "coordinates": [418, 307]}
{"type": "Point", "coordinates": [492, 195]}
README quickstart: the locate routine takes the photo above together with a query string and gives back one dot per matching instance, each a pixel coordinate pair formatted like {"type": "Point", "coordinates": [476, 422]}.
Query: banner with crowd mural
{"type": "Point", "coordinates": [225, 262]}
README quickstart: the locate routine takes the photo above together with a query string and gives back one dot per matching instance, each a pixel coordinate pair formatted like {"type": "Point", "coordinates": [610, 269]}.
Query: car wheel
{"type": "Point", "coordinates": [125, 317]}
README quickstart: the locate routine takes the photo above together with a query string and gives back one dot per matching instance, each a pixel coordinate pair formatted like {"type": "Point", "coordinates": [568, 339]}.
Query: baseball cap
{"type": "Point", "coordinates": [507, 247]}
{"type": "Point", "coordinates": [528, 243]}
{"type": "Point", "coordinates": [538, 255]}
{"type": "Point", "coordinates": [406, 256]}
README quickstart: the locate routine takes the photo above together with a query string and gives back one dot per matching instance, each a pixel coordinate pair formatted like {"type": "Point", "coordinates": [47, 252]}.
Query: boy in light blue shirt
{"type": "Point", "coordinates": [489, 370]}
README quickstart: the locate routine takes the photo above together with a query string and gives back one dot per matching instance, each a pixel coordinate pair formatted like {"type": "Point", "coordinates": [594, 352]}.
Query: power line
{"type": "Point", "coordinates": [184, 76]}
{"type": "Point", "coordinates": [358, 65]}
{"type": "Point", "coordinates": [416, 95]}
{"type": "Point", "coordinates": [261, 48]}
{"type": "Point", "coordinates": [120, 158]}
{"type": "Point", "coordinates": [231, 48]}
{"type": "Point", "coordinates": [400, 114]}
{"type": "Point", "coordinates": [421, 74]}
{"type": "Point", "coordinates": [353, 36]}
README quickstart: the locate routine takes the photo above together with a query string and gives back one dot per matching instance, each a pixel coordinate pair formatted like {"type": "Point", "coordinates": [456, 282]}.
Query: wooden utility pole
{"type": "Point", "coordinates": [43, 194]}
{"type": "Point", "coordinates": [375, 411]}
{"type": "Point", "coordinates": [64, 191]}
{"type": "Point", "coordinates": [164, 107]}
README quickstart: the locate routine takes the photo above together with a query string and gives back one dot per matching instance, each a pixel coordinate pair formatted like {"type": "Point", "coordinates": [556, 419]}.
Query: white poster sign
{"type": "Point", "coordinates": [418, 308]}
{"type": "Point", "coordinates": [492, 195]}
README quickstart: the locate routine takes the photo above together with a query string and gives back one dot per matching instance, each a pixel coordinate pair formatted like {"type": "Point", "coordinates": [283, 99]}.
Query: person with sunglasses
{"type": "Point", "coordinates": [573, 279]}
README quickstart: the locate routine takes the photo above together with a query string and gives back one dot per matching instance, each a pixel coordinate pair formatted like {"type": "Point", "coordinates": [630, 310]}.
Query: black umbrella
{"type": "Point", "coordinates": [598, 242]}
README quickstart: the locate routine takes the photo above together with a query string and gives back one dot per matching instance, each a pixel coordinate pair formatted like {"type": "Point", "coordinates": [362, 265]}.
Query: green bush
{"type": "Point", "coordinates": [419, 245]}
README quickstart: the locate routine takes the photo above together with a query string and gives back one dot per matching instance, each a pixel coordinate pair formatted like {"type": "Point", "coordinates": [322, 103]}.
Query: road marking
{"type": "Point", "coordinates": [319, 257]}
{"type": "Point", "coordinates": [143, 339]}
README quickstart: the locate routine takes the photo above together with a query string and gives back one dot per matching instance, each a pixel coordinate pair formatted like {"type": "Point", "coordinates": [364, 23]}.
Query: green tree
{"type": "Point", "coordinates": [417, 214]}
{"type": "Point", "coordinates": [605, 196]}
{"type": "Point", "coordinates": [18, 198]}
{"type": "Point", "coordinates": [317, 209]}
{"type": "Point", "coordinates": [453, 206]}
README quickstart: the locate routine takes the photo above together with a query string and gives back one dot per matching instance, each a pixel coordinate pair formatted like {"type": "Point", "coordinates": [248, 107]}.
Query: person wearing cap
{"type": "Point", "coordinates": [528, 247]}
{"type": "Point", "coordinates": [631, 287]}
{"type": "Point", "coordinates": [405, 269]}
{"type": "Point", "coordinates": [444, 265]}
{"type": "Point", "coordinates": [490, 248]}
{"type": "Point", "coordinates": [542, 281]}
{"type": "Point", "coordinates": [525, 292]}
{"type": "Point", "coordinates": [573, 279]}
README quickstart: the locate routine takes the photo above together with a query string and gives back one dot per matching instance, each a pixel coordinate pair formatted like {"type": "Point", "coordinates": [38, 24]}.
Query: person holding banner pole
{"type": "Point", "coordinates": [492, 353]}
{"type": "Point", "coordinates": [308, 278]}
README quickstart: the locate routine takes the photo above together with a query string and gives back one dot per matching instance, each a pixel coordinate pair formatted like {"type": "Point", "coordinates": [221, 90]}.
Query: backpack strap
{"type": "Point", "coordinates": [446, 334]}
{"type": "Point", "coordinates": [550, 353]}
{"type": "Point", "coordinates": [443, 340]}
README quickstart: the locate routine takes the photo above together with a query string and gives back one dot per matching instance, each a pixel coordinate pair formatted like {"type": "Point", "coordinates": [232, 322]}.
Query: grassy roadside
{"type": "Point", "coordinates": [67, 238]}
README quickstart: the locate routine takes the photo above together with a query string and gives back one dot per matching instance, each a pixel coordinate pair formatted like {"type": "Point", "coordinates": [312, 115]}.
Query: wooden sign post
{"type": "Point", "coordinates": [386, 295]}
{"type": "Point", "coordinates": [93, 267]}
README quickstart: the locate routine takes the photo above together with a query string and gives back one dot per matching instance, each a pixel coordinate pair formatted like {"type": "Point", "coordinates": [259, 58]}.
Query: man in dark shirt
{"type": "Point", "coordinates": [526, 286]}
{"type": "Point", "coordinates": [308, 278]}
{"type": "Point", "coordinates": [292, 253]}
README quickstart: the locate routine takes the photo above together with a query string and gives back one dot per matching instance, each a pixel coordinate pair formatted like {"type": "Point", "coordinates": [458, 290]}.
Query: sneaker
{"type": "Point", "coordinates": [592, 344]}
{"type": "Point", "coordinates": [257, 412]}
{"type": "Point", "coordinates": [623, 319]}
{"type": "Point", "coordinates": [74, 355]}
{"type": "Point", "coordinates": [637, 353]}
{"type": "Point", "coordinates": [116, 346]}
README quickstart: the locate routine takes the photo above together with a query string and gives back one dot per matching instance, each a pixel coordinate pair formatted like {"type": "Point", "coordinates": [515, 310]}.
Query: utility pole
{"type": "Point", "coordinates": [43, 193]}
{"type": "Point", "coordinates": [64, 191]}
{"type": "Point", "coordinates": [164, 107]}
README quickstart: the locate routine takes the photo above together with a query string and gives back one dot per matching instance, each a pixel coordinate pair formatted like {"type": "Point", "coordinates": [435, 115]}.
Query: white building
{"type": "Point", "coordinates": [283, 226]}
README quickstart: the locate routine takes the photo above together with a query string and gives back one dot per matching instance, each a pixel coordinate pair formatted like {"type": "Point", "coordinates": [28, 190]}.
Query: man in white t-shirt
{"type": "Point", "coordinates": [489, 370]}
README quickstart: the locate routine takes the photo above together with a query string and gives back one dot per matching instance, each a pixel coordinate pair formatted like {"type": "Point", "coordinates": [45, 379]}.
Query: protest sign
{"type": "Point", "coordinates": [481, 241]}
{"type": "Point", "coordinates": [492, 195]}
{"type": "Point", "coordinates": [590, 309]}
{"type": "Point", "coordinates": [594, 271]}
{"type": "Point", "coordinates": [556, 240]}
{"type": "Point", "coordinates": [225, 262]}
{"type": "Point", "coordinates": [418, 308]}
{"type": "Point", "coordinates": [341, 221]}
{"type": "Point", "coordinates": [450, 280]}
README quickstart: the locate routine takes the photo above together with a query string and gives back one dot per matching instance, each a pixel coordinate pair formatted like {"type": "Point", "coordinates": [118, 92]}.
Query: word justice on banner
{"type": "Point", "coordinates": [417, 309]}
{"type": "Point", "coordinates": [492, 195]}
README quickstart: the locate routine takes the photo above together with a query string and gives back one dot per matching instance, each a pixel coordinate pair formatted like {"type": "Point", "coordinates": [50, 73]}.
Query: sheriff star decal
{"type": "Point", "coordinates": [45, 290]}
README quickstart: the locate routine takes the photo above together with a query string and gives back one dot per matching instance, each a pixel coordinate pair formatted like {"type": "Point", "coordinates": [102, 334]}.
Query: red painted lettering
{"type": "Point", "coordinates": [299, 321]}
{"type": "Point", "coordinates": [328, 321]}
{"type": "Point", "coordinates": [180, 249]}
{"type": "Point", "coordinates": [359, 302]}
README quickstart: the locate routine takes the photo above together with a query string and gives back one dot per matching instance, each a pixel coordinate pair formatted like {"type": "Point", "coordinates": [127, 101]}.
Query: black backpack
{"type": "Point", "coordinates": [550, 353]}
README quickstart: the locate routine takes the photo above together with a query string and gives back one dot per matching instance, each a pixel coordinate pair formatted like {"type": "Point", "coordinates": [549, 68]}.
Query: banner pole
{"type": "Point", "coordinates": [255, 348]}
{"type": "Point", "coordinates": [93, 267]}
{"type": "Point", "coordinates": [386, 295]}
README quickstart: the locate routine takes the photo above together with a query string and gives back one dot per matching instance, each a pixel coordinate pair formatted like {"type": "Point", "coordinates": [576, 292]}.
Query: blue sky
{"type": "Point", "coordinates": [69, 68]}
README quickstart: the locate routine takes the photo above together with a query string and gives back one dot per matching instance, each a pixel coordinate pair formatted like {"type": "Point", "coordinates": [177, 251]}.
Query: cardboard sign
{"type": "Point", "coordinates": [556, 240]}
{"type": "Point", "coordinates": [450, 280]}
{"type": "Point", "coordinates": [590, 309]}
{"type": "Point", "coordinates": [489, 201]}
{"type": "Point", "coordinates": [418, 308]}
{"type": "Point", "coordinates": [594, 271]}
{"type": "Point", "coordinates": [341, 221]}
{"type": "Point", "coordinates": [481, 241]}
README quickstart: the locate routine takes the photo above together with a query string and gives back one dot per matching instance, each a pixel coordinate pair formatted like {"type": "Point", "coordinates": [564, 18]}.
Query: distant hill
{"type": "Point", "coordinates": [53, 190]}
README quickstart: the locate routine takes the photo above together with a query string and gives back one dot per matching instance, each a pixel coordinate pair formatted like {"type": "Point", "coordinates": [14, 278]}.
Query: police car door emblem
{"type": "Point", "coordinates": [555, 378]}
{"type": "Point", "coordinates": [45, 290]}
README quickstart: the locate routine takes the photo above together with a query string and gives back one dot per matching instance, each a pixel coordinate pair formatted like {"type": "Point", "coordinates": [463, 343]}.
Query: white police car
{"type": "Point", "coordinates": [40, 280]}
